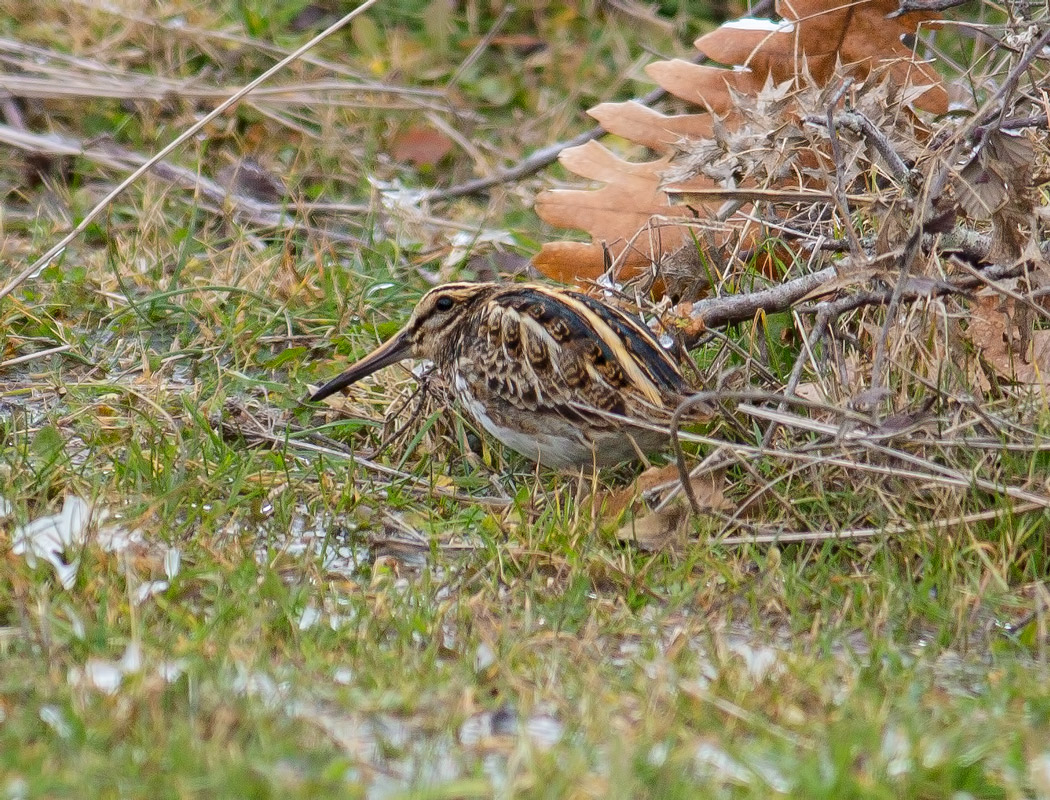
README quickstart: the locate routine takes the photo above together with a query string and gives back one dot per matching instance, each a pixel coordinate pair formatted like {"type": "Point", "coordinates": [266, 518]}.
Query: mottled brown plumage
{"type": "Point", "coordinates": [556, 375]}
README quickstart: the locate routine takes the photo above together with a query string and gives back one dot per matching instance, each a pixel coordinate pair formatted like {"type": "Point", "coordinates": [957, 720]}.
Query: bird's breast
{"type": "Point", "coordinates": [543, 437]}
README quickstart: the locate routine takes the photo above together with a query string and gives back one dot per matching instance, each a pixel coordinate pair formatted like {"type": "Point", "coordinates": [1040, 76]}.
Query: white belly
{"type": "Point", "coordinates": [559, 449]}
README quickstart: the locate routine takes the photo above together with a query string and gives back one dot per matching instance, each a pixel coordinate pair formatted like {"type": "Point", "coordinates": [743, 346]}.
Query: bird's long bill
{"type": "Point", "coordinates": [390, 352]}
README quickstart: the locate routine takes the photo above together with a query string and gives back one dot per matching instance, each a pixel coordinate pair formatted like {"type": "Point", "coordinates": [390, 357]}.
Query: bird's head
{"type": "Point", "coordinates": [430, 333]}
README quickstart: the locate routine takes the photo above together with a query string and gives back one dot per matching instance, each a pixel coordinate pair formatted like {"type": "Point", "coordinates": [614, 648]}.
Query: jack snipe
{"type": "Point", "coordinates": [553, 374]}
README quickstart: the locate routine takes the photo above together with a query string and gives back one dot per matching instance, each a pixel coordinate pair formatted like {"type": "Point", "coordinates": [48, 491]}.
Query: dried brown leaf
{"type": "Point", "coordinates": [708, 87]}
{"type": "Point", "coordinates": [766, 48]}
{"type": "Point", "coordinates": [861, 36]}
{"type": "Point", "coordinates": [650, 128]}
{"type": "Point", "coordinates": [996, 184]}
{"type": "Point", "coordinates": [665, 528]}
{"type": "Point", "coordinates": [1002, 332]}
{"type": "Point", "coordinates": [749, 129]}
{"type": "Point", "coordinates": [627, 202]}
{"type": "Point", "coordinates": [420, 145]}
{"type": "Point", "coordinates": [660, 531]}
{"type": "Point", "coordinates": [571, 262]}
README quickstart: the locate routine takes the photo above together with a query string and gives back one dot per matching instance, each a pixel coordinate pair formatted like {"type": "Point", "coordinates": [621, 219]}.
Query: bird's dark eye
{"type": "Point", "coordinates": [444, 303]}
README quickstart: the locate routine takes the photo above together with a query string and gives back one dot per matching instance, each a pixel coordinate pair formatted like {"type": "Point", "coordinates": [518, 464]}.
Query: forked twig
{"type": "Point", "coordinates": [858, 123]}
{"type": "Point", "coordinates": [676, 444]}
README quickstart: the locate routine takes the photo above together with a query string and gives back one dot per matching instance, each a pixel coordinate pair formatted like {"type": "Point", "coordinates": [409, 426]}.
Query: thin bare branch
{"type": "Point", "coordinates": [108, 154]}
{"type": "Point", "coordinates": [546, 156]}
{"type": "Point", "coordinates": [185, 136]}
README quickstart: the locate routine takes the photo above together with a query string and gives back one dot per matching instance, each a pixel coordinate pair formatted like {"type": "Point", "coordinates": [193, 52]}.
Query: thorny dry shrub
{"type": "Point", "coordinates": [908, 243]}
{"type": "Point", "coordinates": [808, 47]}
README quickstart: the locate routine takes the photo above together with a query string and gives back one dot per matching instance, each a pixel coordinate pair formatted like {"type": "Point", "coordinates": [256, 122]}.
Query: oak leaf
{"type": "Point", "coordinates": [420, 145]}
{"type": "Point", "coordinates": [615, 215]}
{"type": "Point", "coordinates": [1002, 333]}
{"type": "Point", "coordinates": [659, 515]}
{"type": "Point", "coordinates": [811, 43]}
